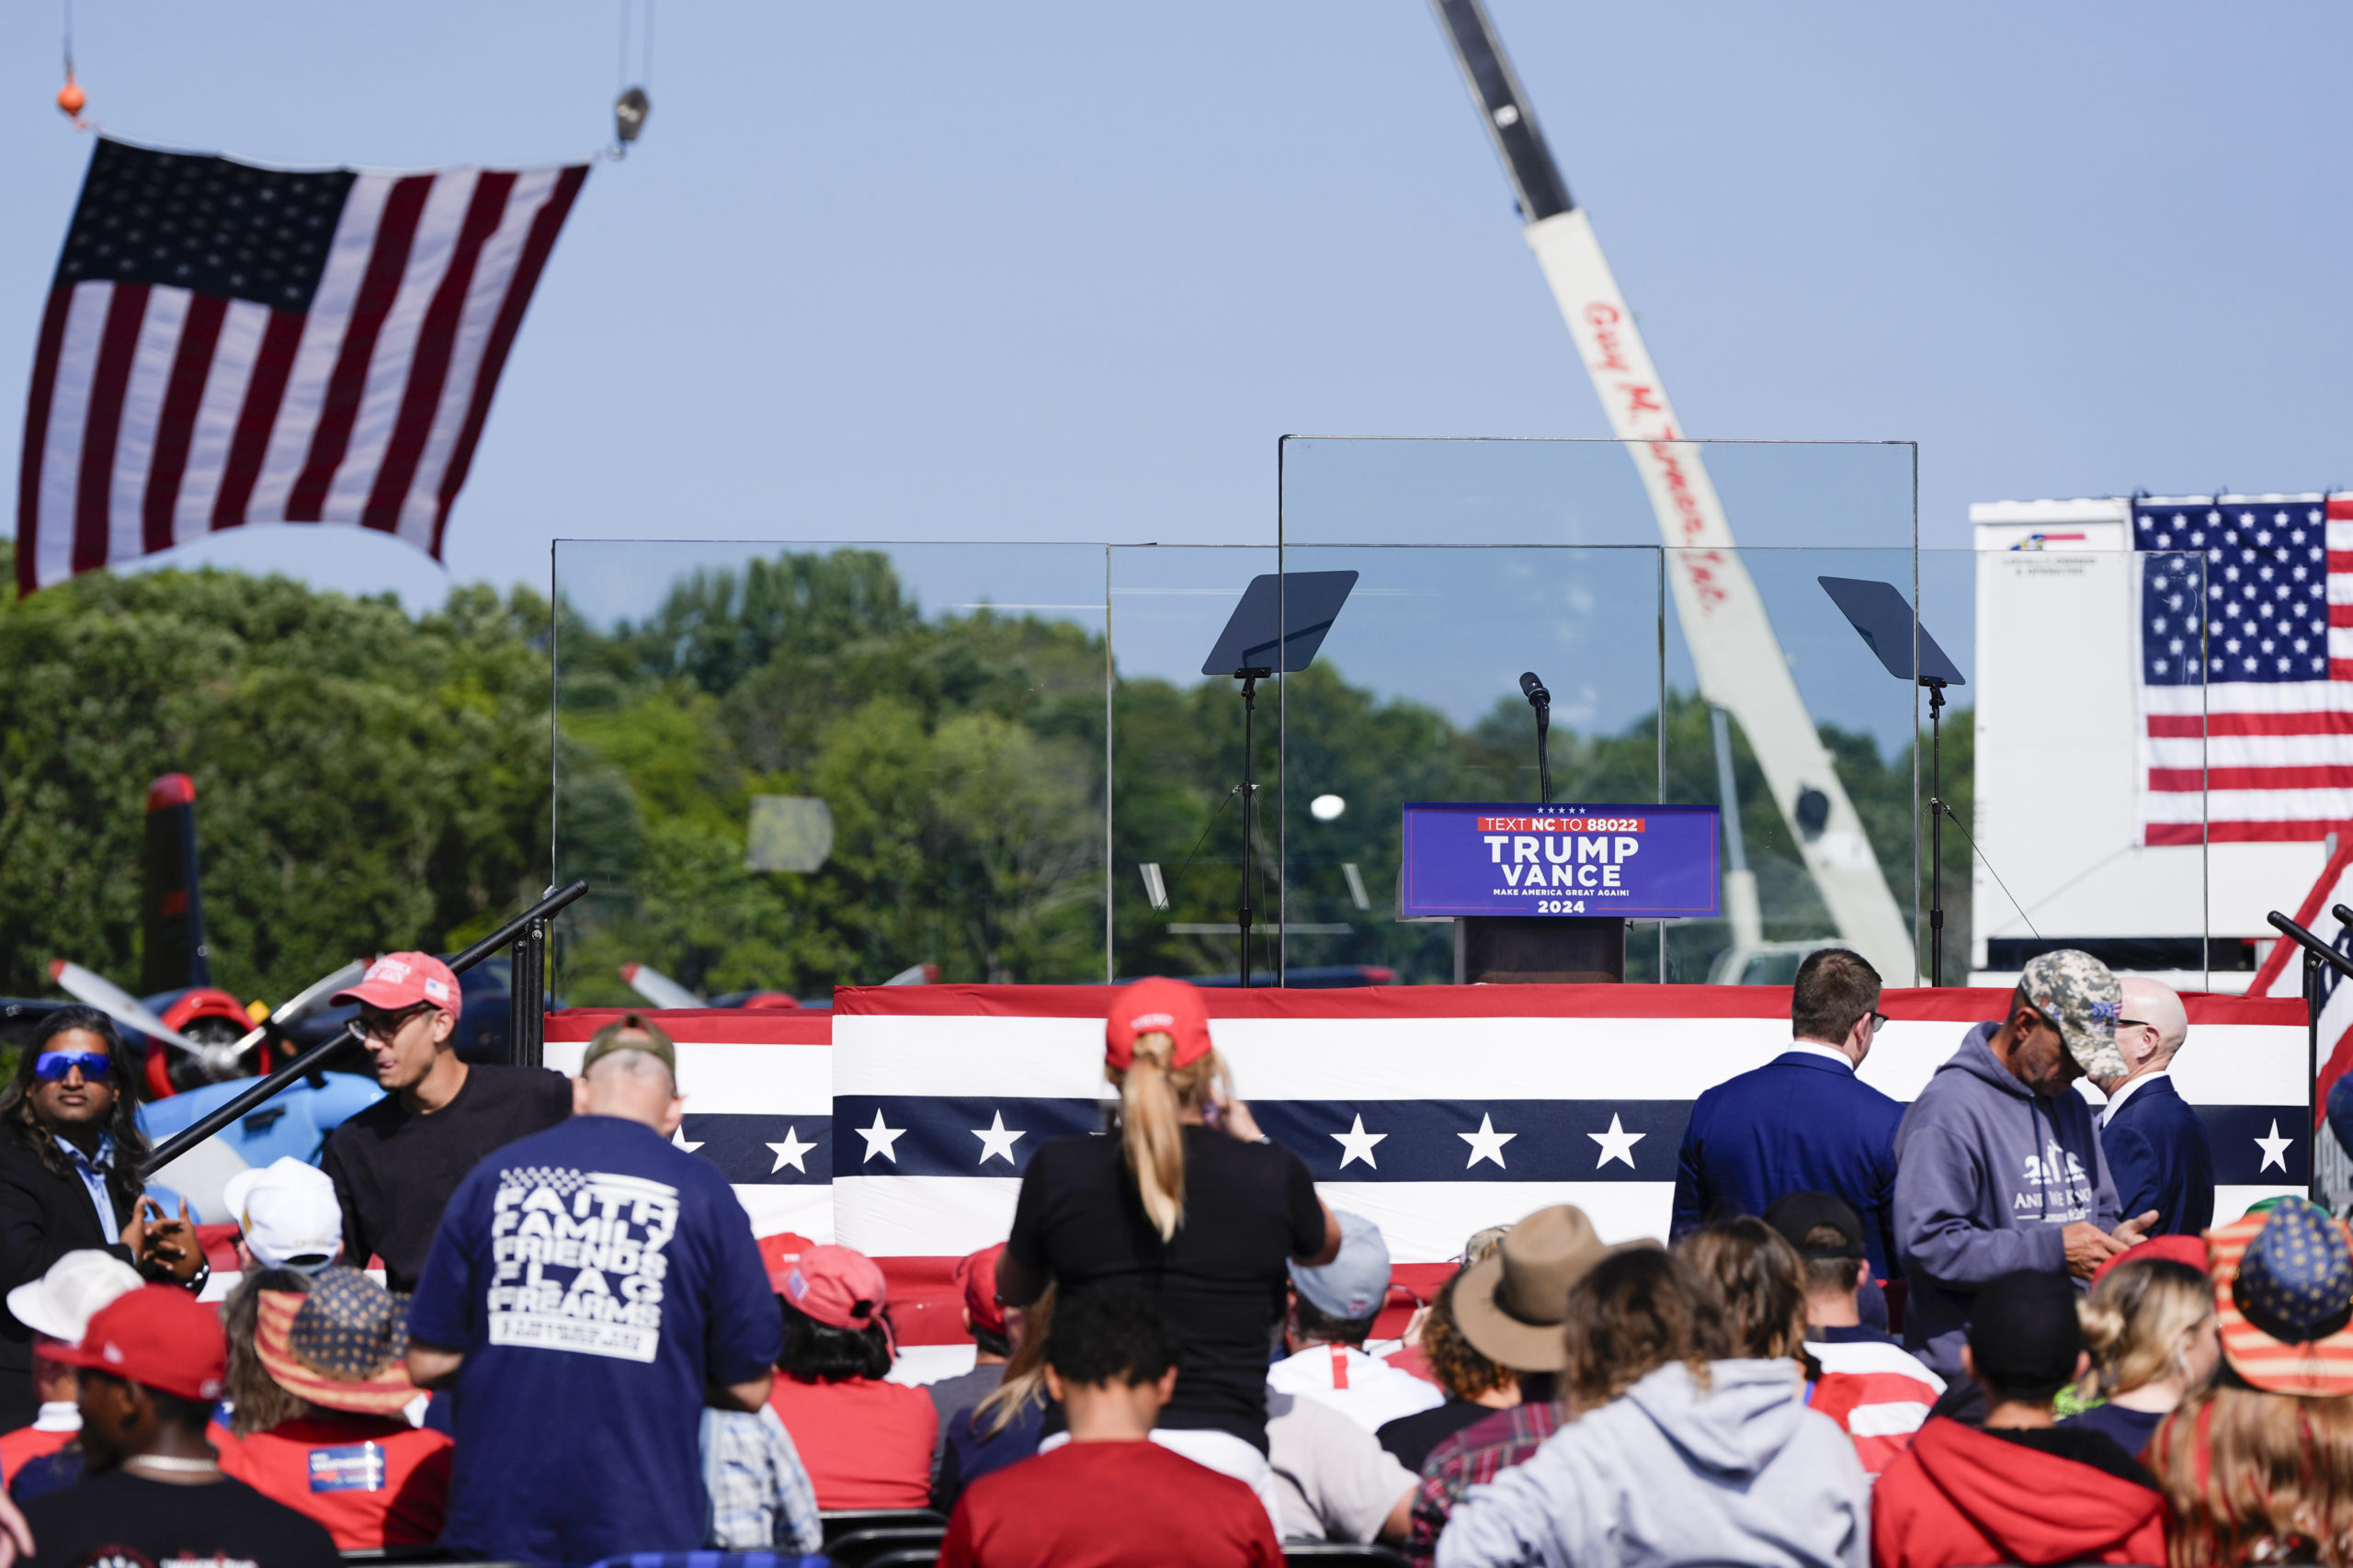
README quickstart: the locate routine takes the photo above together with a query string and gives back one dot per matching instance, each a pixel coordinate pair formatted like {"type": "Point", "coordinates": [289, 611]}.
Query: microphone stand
{"type": "Point", "coordinates": [1250, 676]}
{"type": "Point", "coordinates": [1544, 752]}
{"type": "Point", "coordinates": [1935, 831]}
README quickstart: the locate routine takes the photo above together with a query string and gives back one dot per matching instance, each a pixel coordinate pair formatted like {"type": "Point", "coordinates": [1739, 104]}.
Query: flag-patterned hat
{"type": "Point", "coordinates": [343, 1344]}
{"type": "Point", "coordinates": [2283, 1298]}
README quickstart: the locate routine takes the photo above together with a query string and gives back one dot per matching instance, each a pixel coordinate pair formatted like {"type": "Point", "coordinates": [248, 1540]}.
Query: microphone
{"type": "Point", "coordinates": [1531, 687]}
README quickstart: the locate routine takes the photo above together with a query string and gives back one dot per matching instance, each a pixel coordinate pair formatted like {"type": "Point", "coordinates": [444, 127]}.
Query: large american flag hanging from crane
{"type": "Point", "coordinates": [2245, 668]}
{"type": "Point", "coordinates": [227, 345]}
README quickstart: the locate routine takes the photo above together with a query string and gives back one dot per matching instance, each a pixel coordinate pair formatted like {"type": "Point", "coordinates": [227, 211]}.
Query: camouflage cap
{"type": "Point", "coordinates": [2076, 992]}
{"type": "Point", "coordinates": [633, 1031]}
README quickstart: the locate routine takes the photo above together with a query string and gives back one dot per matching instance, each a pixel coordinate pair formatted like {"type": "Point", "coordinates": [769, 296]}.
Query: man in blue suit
{"type": "Point", "coordinates": [1803, 1122]}
{"type": "Point", "coordinates": [2156, 1148]}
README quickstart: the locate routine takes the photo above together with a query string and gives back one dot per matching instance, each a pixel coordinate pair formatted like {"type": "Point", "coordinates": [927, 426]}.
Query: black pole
{"type": "Point", "coordinates": [2314, 946]}
{"type": "Point", "coordinates": [1249, 678]}
{"type": "Point", "coordinates": [319, 1055]}
{"type": "Point", "coordinates": [1936, 832]}
{"type": "Point", "coordinates": [2311, 1072]}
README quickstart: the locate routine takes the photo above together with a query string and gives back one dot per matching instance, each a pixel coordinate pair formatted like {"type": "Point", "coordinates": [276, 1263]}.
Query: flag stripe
{"type": "Point", "coordinates": [323, 326]}
{"type": "Point", "coordinates": [37, 404]}
{"type": "Point", "coordinates": [2304, 832]}
{"type": "Point", "coordinates": [243, 325]}
{"type": "Point", "coordinates": [439, 226]}
{"type": "Point", "coordinates": [111, 377]}
{"type": "Point", "coordinates": [502, 337]}
{"type": "Point", "coordinates": [430, 365]}
{"type": "Point", "coordinates": [2194, 780]}
{"type": "Point", "coordinates": [143, 413]}
{"type": "Point", "coordinates": [339, 407]}
{"type": "Point", "coordinates": [176, 426]}
{"type": "Point", "coordinates": [77, 365]}
{"type": "Point", "coordinates": [265, 389]}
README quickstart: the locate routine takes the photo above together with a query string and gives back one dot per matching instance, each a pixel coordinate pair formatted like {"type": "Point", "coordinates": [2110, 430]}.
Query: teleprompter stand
{"type": "Point", "coordinates": [1276, 628]}
{"type": "Point", "coordinates": [1531, 950]}
{"type": "Point", "coordinates": [1882, 617]}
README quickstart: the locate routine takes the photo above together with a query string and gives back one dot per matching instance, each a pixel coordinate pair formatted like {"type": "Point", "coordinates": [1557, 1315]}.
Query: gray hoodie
{"type": "Point", "coordinates": [1742, 1472]}
{"type": "Point", "coordinates": [1988, 1175]}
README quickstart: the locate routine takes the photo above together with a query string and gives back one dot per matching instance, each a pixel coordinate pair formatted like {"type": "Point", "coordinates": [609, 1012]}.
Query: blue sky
{"type": "Point", "coordinates": [1067, 272]}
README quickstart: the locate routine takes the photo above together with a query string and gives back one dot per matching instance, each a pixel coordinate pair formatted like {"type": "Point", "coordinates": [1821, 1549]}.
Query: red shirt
{"type": "Point", "coordinates": [29, 1443]}
{"type": "Point", "coordinates": [1110, 1506]}
{"type": "Point", "coordinates": [373, 1481]}
{"type": "Point", "coordinates": [866, 1444]}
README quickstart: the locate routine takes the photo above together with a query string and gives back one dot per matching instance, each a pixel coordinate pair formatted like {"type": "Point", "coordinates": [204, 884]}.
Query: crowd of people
{"type": "Point", "coordinates": [1995, 1326]}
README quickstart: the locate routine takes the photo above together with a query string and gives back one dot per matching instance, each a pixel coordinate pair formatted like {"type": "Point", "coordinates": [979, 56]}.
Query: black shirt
{"type": "Point", "coordinates": [120, 1520]}
{"type": "Point", "coordinates": [394, 1170]}
{"type": "Point", "coordinates": [1249, 1208]}
{"type": "Point", "coordinates": [2080, 1444]}
{"type": "Point", "coordinates": [1410, 1437]}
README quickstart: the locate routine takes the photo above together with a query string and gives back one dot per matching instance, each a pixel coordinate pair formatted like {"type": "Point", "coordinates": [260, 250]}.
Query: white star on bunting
{"type": "Point", "coordinates": [996, 1139]}
{"type": "Point", "coordinates": [1356, 1144]}
{"type": "Point", "coordinates": [2275, 1150]}
{"type": "Point", "coordinates": [879, 1139]}
{"type": "Point", "coordinates": [1617, 1144]}
{"type": "Point", "coordinates": [791, 1151]}
{"type": "Point", "coordinates": [679, 1138]}
{"type": "Point", "coordinates": [1486, 1143]}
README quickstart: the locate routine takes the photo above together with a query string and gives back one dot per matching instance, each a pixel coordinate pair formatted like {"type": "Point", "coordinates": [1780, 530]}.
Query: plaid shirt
{"type": "Point", "coordinates": [1478, 1453]}
{"type": "Point", "coordinates": [757, 1494]}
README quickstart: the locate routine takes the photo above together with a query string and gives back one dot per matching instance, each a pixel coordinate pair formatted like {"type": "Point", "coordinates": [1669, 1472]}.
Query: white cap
{"type": "Point", "coordinates": [289, 1214]}
{"type": "Point", "coordinates": [60, 1304]}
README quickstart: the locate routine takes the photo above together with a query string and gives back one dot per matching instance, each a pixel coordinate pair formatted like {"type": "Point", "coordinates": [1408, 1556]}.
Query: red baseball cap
{"type": "Point", "coordinates": [838, 1287]}
{"type": "Point", "coordinates": [1156, 1007]}
{"type": "Point", "coordinates": [157, 1336]}
{"type": "Point", "coordinates": [2190, 1250]}
{"type": "Point", "coordinates": [780, 1252]}
{"type": "Point", "coordinates": [976, 1278]}
{"type": "Point", "coordinates": [403, 980]}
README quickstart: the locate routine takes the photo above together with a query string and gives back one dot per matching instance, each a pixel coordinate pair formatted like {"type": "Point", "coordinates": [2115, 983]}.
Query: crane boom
{"type": "Point", "coordinates": [1741, 666]}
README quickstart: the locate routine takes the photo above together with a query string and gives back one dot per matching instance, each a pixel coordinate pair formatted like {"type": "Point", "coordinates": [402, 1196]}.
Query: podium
{"type": "Point", "coordinates": [1540, 895]}
{"type": "Point", "coordinates": [1526, 950]}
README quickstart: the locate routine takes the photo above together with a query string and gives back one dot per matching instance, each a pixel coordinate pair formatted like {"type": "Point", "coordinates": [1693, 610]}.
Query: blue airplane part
{"type": "Point", "coordinates": [296, 1122]}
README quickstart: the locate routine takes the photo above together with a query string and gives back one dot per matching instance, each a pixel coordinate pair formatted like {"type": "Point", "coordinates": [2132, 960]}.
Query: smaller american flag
{"type": "Point", "coordinates": [2245, 668]}
{"type": "Point", "coordinates": [227, 345]}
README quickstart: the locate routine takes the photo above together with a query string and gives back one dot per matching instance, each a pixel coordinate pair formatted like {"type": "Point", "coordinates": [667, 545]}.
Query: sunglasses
{"type": "Point", "coordinates": [50, 1066]}
{"type": "Point", "coordinates": [1879, 1022]}
{"type": "Point", "coordinates": [374, 1025]}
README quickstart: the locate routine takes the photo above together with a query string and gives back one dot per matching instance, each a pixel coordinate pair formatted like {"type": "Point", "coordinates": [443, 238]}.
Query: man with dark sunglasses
{"type": "Point", "coordinates": [1998, 1164]}
{"type": "Point", "coordinates": [395, 1165]}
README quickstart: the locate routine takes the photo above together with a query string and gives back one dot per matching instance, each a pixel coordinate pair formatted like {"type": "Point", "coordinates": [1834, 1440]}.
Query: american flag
{"type": "Point", "coordinates": [227, 345]}
{"type": "Point", "coordinates": [2245, 656]}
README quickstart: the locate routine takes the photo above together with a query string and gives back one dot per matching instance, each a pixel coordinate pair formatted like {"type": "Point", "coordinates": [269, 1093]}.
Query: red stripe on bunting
{"type": "Point", "coordinates": [732, 1025]}
{"type": "Point", "coordinates": [2191, 780]}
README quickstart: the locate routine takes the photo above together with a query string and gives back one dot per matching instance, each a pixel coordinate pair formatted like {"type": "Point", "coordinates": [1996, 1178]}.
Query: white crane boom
{"type": "Point", "coordinates": [1741, 665]}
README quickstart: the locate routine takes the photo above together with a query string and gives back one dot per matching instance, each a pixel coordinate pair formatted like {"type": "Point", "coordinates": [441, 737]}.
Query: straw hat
{"type": "Point", "coordinates": [2283, 1299]}
{"type": "Point", "coordinates": [1511, 1304]}
{"type": "Point", "coordinates": [342, 1345]}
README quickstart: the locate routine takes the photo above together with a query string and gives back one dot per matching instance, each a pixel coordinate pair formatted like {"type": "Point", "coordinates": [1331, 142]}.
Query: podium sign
{"type": "Point", "coordinates": [1627, 862]}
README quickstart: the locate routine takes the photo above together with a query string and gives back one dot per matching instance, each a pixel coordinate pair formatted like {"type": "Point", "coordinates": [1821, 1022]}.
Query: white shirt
{"type": "Point", "coordinates": [1829, 1053]}
{"type": "Point", "coordinates": [2115, 1101]}
{"type": "Point", "coordinates": [58, 1415]}
{"type": "Point", "coordinates": [1367, 1390]}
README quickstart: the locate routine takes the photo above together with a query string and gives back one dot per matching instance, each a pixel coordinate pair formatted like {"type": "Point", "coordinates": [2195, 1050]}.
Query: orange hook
{"type": "Point", "coordinates": [70, 97]}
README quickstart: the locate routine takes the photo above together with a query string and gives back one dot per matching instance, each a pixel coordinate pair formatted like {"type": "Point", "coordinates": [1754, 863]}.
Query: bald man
{"type": "Point", "coordinates": [2155, 1145]}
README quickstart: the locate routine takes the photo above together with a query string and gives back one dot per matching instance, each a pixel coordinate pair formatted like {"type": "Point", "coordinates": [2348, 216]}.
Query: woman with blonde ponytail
{"type": "Point", "coordinates": [1191, 1204]}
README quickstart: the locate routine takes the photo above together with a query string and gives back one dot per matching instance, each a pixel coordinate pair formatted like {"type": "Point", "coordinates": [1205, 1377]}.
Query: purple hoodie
{"type": "Point", "coordinates": [1988, 1173]}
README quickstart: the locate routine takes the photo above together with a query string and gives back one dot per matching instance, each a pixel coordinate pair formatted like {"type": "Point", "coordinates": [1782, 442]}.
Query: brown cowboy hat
{"type": "Point", "coordinates": [1511, 1304]}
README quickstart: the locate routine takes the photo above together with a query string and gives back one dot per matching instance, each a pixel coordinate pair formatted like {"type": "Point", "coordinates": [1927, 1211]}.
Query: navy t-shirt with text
{"type": "Point", "coordinates": [597, 1279]}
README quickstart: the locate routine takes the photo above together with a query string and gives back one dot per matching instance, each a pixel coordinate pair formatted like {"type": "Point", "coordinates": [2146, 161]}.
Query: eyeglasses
{"type": "Point", "coordinates": [374, 1025]}
{"type": "Point", "coordinates": [51, 1066]}
{"type": "Point", "coordinates": [1879, 1022]}
{"type": "Point", "coordinates": [2133, 1023]}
